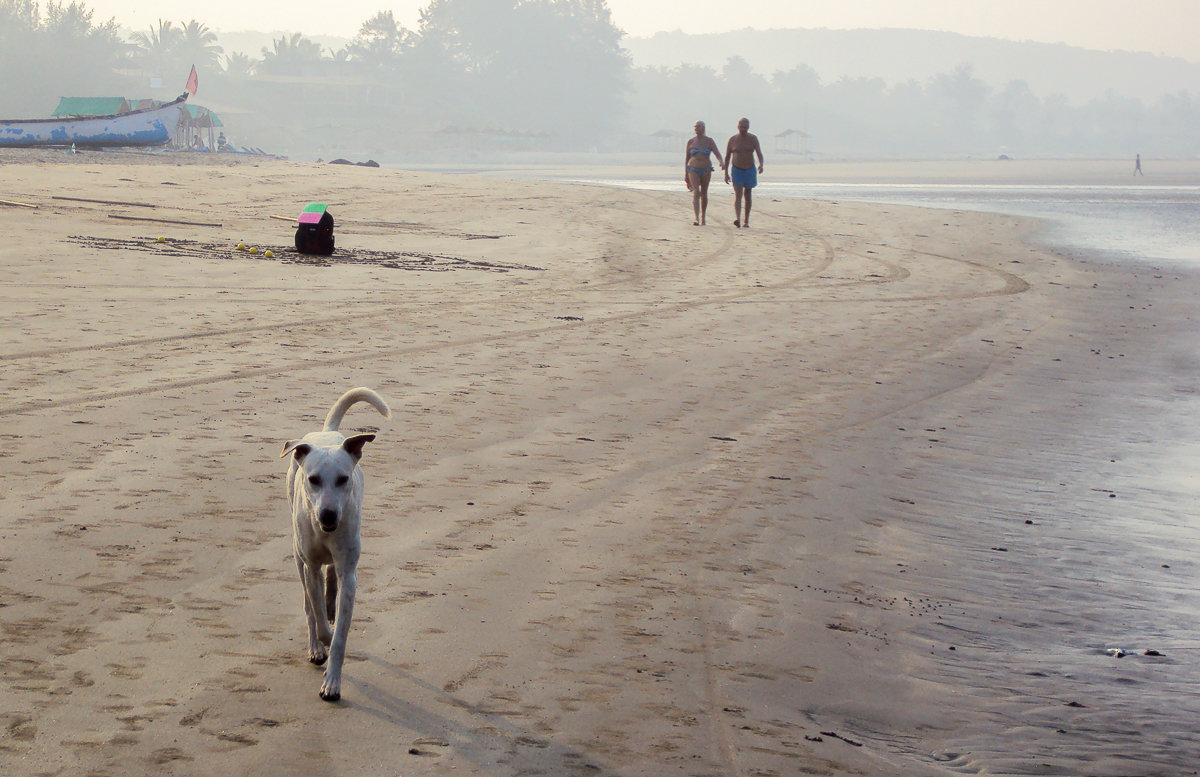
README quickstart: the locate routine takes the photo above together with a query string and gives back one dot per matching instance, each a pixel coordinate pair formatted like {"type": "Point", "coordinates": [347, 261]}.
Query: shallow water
{"type": "Point", "coordinates": [1138, 221]}
{"type": "Point", "coordinates": [1157, 222]}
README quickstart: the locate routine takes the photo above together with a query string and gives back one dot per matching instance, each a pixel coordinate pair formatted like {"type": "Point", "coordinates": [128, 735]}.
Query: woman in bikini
{"type": "Point", "coordinates": [698, 168]}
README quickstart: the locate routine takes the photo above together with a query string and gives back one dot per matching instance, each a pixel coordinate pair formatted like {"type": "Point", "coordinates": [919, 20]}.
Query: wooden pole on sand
{"type": "Point", "coordinates": [105, 202]}
{"type": "Point", "coordinates": [163, 221]}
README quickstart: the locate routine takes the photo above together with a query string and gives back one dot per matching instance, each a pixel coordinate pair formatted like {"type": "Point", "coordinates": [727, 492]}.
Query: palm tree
{"type": "Point", "coordinates": [340, 60]}
{"type": "Point", "coordinates": [291, 56]}
{"type": "Point", "coordinates": [157, 49]}
{"type": "Point", "coordinates": [198, 46]}
{"type": "Point", "coordinates": [239, 65]}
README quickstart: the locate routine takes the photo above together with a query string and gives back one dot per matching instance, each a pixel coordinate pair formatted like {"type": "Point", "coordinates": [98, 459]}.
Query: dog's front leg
{"type": "Point", "coordinates": [331, 689]}
{"type": "Point", "coordinates": [314, 612]}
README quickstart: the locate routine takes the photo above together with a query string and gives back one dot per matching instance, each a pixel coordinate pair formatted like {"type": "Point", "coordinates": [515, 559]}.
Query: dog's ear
{"type": "Point", "coordinates": [300, 449]}
{"type": "Point", "coordinates": [354, 445]}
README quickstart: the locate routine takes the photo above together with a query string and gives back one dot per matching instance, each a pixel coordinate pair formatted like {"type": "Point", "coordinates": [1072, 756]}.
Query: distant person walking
{"type": "Point", "coordinates": [697, 170]}
{"type": "Point", "coordinates": [1137, 166]}
{"type": "Point", "coordinates": [739, 163]}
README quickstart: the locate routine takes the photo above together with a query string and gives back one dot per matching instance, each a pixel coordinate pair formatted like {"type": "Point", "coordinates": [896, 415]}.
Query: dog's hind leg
{"type": "Point", "coordinates": [331, 593]}
{"type": "Point", "coordinates": [314, 613]}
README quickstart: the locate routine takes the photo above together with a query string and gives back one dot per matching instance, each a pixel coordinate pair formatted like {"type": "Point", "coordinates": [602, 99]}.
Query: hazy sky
{"type": "Point", "coordinates": [1157, 26]}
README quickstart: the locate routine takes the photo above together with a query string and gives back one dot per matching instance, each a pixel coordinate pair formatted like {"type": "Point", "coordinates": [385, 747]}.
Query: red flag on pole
{"type": "Point", "coordinates": [193, 82]}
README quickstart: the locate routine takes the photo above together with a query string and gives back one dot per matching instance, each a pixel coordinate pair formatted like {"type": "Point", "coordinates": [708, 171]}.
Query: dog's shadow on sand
{"type": "Point", "coordinates": [483, 737]}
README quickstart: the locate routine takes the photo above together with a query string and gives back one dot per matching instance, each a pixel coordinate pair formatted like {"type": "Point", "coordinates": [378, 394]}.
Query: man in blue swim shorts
{"type": "Point", "coordinates": [744, 178]}
{"type": "Point", "coordinates": [739, 163]}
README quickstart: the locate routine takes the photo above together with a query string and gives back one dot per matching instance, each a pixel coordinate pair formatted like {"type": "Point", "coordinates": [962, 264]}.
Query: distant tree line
{"type": "Point", "coordinates": [491, 75]}
{"type": "Point", "coordinates": [552, 70]}
{"type": "Point", "coordinates": [59, 52]}
{"type": "Point", "coordinates": [952, 113]}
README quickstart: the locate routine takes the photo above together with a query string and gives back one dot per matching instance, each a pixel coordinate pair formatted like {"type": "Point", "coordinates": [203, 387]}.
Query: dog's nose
{"type": "Point", "coordinates": [328, 519]}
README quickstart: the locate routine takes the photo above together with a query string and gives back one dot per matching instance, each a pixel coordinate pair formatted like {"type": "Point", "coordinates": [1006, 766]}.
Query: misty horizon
{"type": "Point", "coordinates": [546, 75]}
{"type": "Point", "coordinates": [1161, 27]}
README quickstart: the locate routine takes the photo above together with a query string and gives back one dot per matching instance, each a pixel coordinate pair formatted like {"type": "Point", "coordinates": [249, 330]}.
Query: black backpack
{"type": "Point", "coordinates": [314, 235]}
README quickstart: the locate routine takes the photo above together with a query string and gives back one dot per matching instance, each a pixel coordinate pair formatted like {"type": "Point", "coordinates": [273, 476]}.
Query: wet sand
{"type": "Point", "coordinates": [859, 490]}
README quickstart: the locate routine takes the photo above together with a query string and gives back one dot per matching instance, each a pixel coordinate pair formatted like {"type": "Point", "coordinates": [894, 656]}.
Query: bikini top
{"type": "Point", "coordinates": [694, 151]}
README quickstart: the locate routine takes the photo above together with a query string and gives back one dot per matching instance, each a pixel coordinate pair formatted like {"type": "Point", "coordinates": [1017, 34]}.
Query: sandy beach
{"type": "Point", "coordinates": [861, 490]}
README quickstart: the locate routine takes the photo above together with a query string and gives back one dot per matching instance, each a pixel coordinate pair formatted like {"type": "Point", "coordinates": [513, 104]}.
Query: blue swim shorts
{"type": "Point", "coordinates": [746, 177]}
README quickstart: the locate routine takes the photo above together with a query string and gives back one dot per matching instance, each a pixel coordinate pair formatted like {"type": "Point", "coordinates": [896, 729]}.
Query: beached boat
{"type": "Point", "coordinates": [145, 127]}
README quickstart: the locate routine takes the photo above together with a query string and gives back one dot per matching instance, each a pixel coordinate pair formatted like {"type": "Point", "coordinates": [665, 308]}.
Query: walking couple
{"type": "Point", "coordinates": [738, 165]}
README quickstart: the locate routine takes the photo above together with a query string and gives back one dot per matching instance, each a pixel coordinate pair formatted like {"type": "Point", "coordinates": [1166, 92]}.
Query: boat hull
{"type": "Point", "coordinates": [146, 127]}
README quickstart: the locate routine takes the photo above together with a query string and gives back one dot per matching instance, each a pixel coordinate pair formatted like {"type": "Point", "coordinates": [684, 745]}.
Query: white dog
{"type": "Point", "coordinates": [325, 488]}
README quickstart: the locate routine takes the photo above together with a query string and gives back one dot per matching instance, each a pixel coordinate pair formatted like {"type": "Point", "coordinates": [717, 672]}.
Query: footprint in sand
{"type": "Point", "coordinates": [168, 755]}
{"type": "Point", "coordinates": [428, 747]}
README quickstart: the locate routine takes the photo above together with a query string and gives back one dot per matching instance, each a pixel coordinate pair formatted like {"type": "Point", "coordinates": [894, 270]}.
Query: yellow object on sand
{"type": "Point", "coordinates": [241, 246]}
{"type": "Point", "coordinates": [268, 253]}
{"type": "Point", "coordinates": [162, 240]}
{"type": "Point", "coordinates": [254, 250]}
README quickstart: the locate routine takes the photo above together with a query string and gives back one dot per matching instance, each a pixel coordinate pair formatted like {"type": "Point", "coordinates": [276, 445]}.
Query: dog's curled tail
{"type": "Point", "coordinates": [334, 419]}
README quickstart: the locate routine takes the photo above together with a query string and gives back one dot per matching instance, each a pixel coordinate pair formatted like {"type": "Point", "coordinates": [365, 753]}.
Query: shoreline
{"type": "Point", "coordinates": [1092, 213]}
{"type": "Point", "coordinates": [862, 489]}
{"type": "Point", "coordinates": [666, 165]}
